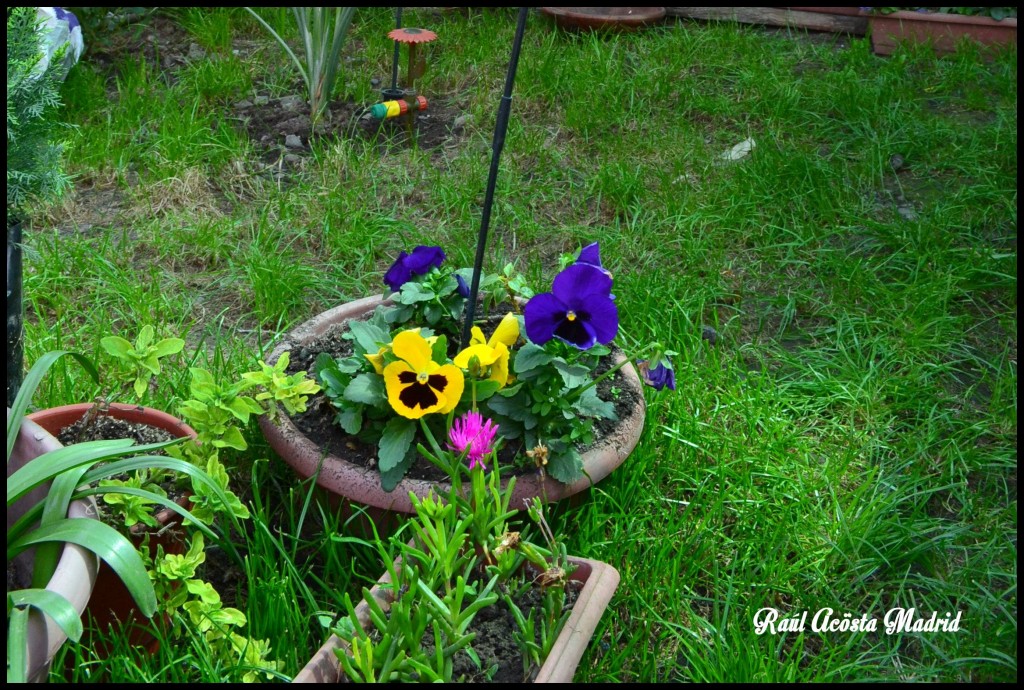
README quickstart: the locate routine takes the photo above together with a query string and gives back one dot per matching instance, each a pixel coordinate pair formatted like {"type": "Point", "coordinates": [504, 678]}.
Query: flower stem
{"type": "Point", "coordinates": [628, 360]}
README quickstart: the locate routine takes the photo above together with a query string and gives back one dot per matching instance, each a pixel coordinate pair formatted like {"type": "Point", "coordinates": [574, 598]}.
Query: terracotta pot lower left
{"type": "Point", "coordinates": [111, 602]}
{"type": "Point", "coordinates": [75, 575]}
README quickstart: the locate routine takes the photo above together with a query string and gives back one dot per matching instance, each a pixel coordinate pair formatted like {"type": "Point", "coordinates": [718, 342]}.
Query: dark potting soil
{"type": "Point", "coordinates": [104, 428]}
{"type": "Point", "coordinates": [495, 642]}
{"type": "Point", "coordinates": [319, 425]}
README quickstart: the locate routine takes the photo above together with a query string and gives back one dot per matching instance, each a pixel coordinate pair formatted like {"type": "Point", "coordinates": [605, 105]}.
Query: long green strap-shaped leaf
{"type": "Point", "coordinates": [186, 468]}
{"type": "Point", "coordinates": [55, 508]}
{"type": "Point", "coordinates": [322, 51]}
{"type": "Point", "coordinates": [63, 459]}
{"type": "Point", "coordinates": [130, 465]}
{"type": "Point", "coordinates": [17, 638]}
{"type": "Point", "coordinates": [28, 389]}
{"type": "Point", "coordinates": [53, 605]}
{"type": "Point", "coordinates": [46, 467]}
{"type": "Point", "coordinates": [332, 60]}
{"type": "Point", "coordinates": [105, 542]}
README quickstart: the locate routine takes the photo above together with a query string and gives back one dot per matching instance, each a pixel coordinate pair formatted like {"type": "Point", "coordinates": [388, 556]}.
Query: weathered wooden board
{"type": "Point", "coordinates": [779, 16]}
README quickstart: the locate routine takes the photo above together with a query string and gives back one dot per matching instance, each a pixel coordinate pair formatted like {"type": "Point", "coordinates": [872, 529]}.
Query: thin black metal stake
{"type": "Point", "coordinates": [394, 62]}
{"type": "Point", "coordinates": [500, 129]}
{"type": "Point", "coordinates": [15, 314]}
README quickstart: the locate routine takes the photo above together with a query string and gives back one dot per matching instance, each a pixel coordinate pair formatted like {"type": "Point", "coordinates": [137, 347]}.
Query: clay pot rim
{"type": "Point", "coordinates": [66, 415]}
{"type": "Point", "coordinates": [580, 18]}
{"type": "Point", "coordinates": [362, 484]}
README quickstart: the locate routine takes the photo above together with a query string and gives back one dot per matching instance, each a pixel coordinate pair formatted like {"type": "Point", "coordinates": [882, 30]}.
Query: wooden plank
{"type": "Point", "coordinates": [776, 16]}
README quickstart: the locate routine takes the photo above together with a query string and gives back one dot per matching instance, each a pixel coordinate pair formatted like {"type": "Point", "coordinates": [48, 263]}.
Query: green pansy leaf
{"type": "Point", "coordinates": [351, 365]}
{"type": "Point", "coordinates": [369, 336]}
{"type": "Point", "coordinates": [529, 357]}
{"type": "Point", "coordinates": [515, 407]}
{"type": "Point", "coordinates": [592, 406]}
{"type": "Point", "coordinates": [485, 389]}
{"type": "Point", "coordinates": [351, 421]}
{"type": "Point", "coordinates": [389, 479]}
{"type": "Point", "coordinates": [367, 389]}
{"type": "Point", "coordinates": [395, 442]}
{"type": "Point", "coordinates": [413, 293]}
{"type": "Point", "coordinates": [565, 466]}
{"type": "Point", "coordinates": [573, 375]}
{"type": "Point", "coordinates": [439, 350]}
{"type": "Point", "coordinates": [433, 313]}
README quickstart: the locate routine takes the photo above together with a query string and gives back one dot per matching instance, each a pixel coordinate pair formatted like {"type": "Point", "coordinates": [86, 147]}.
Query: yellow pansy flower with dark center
{"type": "Point", "coordinates": [416, 385]}
{"type": "Point", "coordinates": [377, 360]}
{"type": "Point", "coordinates": [491, 354]}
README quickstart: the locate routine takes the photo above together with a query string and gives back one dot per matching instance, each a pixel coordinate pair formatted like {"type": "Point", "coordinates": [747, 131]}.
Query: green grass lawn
{"type": "Point", "coordinates": [844, 438]}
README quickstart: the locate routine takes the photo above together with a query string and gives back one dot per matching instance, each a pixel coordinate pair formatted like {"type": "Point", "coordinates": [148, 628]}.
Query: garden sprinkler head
{"type": "Point", "coordinates": [417, 65]}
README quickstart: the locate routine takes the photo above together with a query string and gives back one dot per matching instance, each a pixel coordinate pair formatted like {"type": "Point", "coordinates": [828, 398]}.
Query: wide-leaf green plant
{"type": "Point", "coordinates": [74, 472]}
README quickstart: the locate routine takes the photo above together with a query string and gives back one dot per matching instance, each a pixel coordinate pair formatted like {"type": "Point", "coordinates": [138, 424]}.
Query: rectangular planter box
{"type": "Point", "coordinates": [943, 30]}
{"type": "Point", "coordinates": [600, 581]}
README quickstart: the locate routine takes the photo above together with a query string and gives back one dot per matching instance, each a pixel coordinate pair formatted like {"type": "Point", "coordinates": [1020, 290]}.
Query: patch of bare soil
{"type": "Point", "coordinates": [283, 130]}
{"type": "Point", "coordinates": [158, 40]}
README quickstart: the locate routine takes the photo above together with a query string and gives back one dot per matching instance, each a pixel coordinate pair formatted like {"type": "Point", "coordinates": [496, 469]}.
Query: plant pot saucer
{"type": "Point", "coordinates": [604, 18]}
{"type": "Point", "coordinates": [362, 486]}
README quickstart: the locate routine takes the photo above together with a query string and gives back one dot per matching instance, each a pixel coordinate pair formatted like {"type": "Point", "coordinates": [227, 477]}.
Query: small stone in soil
{"type": "Point", "coordinates": [291, 102]}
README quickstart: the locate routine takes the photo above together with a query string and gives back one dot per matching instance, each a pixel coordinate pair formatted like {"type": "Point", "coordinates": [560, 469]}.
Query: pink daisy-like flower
{"type": "Point", "coordinates": [473, 435]}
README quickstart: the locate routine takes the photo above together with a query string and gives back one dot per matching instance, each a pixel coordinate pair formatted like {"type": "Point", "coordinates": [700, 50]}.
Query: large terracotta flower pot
{"type": "Point", "coordinates": [362, 486]}
{"type": "Point", "coordinates": [112, 603]}
{"type": "Point", "coordinates": [75, 575]}
{"type": "Point", "coordinates": [600, 581]}
{"type": "Point", "coordinates": [943, 30]}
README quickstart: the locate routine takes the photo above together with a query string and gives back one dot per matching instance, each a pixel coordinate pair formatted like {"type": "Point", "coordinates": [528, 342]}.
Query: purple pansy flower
{"type": "Point", "coordinates": [462, 289]}
{"type": "Point", "coordinates": [658, 377]}
{"type": "Point", "coordinates": [591, 255]}
{"type": "Point", "coordinates": [579, 309]}
{"type": "Point", "coordinates": [406, 266]}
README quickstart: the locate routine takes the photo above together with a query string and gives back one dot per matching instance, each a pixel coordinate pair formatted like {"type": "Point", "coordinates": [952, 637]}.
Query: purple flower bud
{"type": "Point", "coordinates": [658, 377]}
{"type": "Point", "coordinates": [406, 266]}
